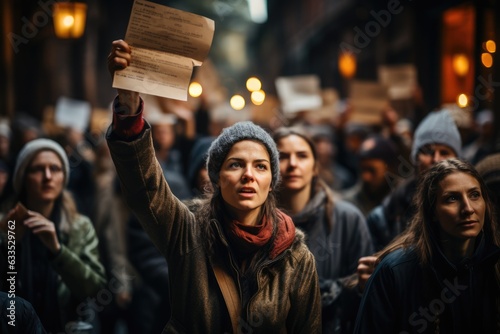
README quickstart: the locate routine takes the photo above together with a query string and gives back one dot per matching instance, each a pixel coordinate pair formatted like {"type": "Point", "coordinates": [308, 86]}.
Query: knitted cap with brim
{"type": "Point", "coordinates": [380, 148]}
{"type": "Point", "coordinates": [198, 158]}
{"type": "Point", "coordinates": [489, 168]}
{"type": "Point", "coordinates": [437, 128]}
{"type": "Point", "coordinates": [27, 154]}
{"type": "Point", "coordinates": [241, 131]}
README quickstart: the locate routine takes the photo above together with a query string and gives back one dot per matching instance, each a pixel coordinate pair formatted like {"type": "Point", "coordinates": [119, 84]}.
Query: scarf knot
{"type": "Point", "coordinates": [248, 239]}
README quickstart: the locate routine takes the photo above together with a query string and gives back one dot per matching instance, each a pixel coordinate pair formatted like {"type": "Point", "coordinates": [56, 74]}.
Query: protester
{"type": "Point", "coordinates": [377, 165]}
{"type": "Point", "coordinates": [336, 231]}
{"type": "Point", "coordinates": [489, 169]}
{"type": "Point", "coordinates": [436, 138]}
{"type": "Point", "coordinates": [169, 157]}
{"type": "Point", "coordinates": [442, 274]}
{"type": "Point", "coordinates": [57, 261]}
{"type": "Point", "coordinates": [197, 176]}
{"type": "Point", "coordinates": [237, 263]}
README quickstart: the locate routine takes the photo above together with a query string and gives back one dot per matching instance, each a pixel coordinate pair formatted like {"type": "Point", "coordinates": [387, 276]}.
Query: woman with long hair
{"type": "Point", "coordinates": [236, 263]}
{"type": "Point", "coordinates": [336, 231]}
{"type": "Point", "coordinates": [57, 261]}
{"type": "Point", "coordinates": [442, 274]}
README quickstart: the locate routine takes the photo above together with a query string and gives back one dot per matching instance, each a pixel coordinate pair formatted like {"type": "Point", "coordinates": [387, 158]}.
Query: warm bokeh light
{"type": "Point", "coordinates": [253, 84]}
{"type": "Point", "coordinates": [69, 19]}
{"type": "Point", "coordinates": [237, 102]}
{"type": "Point", "coordinates": [490, 46]}
{"type": "Point", "coordinates": [460, 64]}
{"type": "Point", "coordinates": [347, 65]}
{"type": "Point", "coordinates": [195, 89]}
{"type": "Point", "coordinates": [462, 100]}
{"type": "Point", "coordinates": [258, 97]}
{"type": "Point", "coordinates": [487, 60]}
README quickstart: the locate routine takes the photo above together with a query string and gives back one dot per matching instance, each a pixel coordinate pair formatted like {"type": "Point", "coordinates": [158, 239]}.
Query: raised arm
{"type": "Point", "coordinates": [118, 59]}
{"type": "Point", "coordinates": [167, 221]}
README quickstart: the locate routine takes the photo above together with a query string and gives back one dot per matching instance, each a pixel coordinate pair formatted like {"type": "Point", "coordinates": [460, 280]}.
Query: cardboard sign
{"type": "Point", "coordinates": [400, 80]}
{"type": "Point", "coordinates": [368, 99]}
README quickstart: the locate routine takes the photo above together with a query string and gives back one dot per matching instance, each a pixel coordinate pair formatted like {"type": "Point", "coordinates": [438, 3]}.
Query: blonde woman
{"type": "Point", "coordinates": [57, 260]}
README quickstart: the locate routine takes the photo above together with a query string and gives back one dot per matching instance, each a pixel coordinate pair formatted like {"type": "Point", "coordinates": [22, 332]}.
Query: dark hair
{"type": "Point", "coordinates": [317, 183]}
{"type": "Point", "coordinates": [300, 131]}
{"type": "Point", "coordinates": [421, 228]}
{"type": "Point", "coordinates": [418, 234]}
{"type": "Point", "coordinates": [210, 210]}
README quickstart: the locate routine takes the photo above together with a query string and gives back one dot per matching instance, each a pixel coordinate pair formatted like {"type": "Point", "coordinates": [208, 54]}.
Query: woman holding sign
{"type": "Point", "coordinates": [236, 264]}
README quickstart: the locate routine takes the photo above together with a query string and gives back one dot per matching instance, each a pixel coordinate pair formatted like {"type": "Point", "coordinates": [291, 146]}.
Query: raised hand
{"type": "Point", "coordinates": [43, 229]}
{"type": "Point", "coordinates": [119, 58]}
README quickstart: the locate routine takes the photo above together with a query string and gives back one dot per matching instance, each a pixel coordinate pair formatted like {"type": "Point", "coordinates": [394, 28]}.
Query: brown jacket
{"type": "Point", "coordinates": [287, 299]}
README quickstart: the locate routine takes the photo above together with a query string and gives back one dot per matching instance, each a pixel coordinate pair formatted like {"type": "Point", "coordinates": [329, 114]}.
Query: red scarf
{"type": "Point", "coordinates": [248, 239]}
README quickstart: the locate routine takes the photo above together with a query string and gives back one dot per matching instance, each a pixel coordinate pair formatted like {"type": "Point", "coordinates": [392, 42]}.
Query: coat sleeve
{"type": "Point", "coordinates": [340, 301]}
{"type": "Point", "coordinates": [377, 313]}
{"type": "Point", "coordinates": [305, 315]}
{"type": "Point", "coordinates": [81, 270]}
{"type": "Point", "coordinates": [165, 218]}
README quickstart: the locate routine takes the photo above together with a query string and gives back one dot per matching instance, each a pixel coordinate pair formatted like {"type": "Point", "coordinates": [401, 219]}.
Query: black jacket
{"type": "Point", "coordinates": [402, 296]}
{"type": "Point", "coordinates": [336, 249]}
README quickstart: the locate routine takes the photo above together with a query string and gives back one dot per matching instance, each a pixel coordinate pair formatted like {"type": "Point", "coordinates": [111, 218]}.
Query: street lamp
{"type": "Point", "coordinates": [69, 19]}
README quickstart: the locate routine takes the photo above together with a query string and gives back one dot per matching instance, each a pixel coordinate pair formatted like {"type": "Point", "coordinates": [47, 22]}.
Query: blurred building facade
{"type": "Point", "coordinates": [444, 41]}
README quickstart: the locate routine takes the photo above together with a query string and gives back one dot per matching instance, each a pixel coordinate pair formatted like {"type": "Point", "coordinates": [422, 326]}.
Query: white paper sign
{"type": "Point", "coordinates": [166, 44]}
{"type": "Point", "coordinates": [72, 113]}
{"type": "Point", "coordinates": [299, 93]}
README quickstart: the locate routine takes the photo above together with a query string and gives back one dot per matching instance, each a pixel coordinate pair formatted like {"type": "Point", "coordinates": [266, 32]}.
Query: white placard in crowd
{"type": "Point", "coordinates": [299, 93]}
{"type": "Point", "coordinates": [73, 113]}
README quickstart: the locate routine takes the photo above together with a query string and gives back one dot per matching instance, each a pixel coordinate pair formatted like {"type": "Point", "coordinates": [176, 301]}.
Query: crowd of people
{"type": "Point", "coordinates": [300, 227]}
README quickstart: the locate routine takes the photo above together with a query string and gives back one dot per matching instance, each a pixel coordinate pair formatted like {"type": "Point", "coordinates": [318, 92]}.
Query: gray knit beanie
{"type": "Point", "coordinates": [437, 128]}
{"type": "Point", "coordinates": [241, 131]}
{"type": "Point", "coordinates": [27, 154]}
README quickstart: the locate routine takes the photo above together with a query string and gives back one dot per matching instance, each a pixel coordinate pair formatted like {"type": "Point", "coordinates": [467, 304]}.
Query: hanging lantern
{"type": "Point", "coordinates": [347, 65]}
{"type": "Point", "coordinates": [69, 19]}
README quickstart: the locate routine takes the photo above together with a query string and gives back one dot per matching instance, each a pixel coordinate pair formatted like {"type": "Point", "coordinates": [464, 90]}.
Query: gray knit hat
{"type": "Point", "coordinates": [241, 131]}
{"type": "Point", "coordinates": [437, 128]}
{"type": "Point", "coordinates": [27, 154]}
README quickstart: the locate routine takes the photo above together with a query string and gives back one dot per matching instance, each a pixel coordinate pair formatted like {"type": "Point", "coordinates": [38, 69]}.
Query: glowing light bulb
{"type": "Point", "coordinates": [491, 46]}
{"type": "Point", "coordinates": [195, 89]}
{"type": "Point", "coordinates": [462, 100]}
{"type": "Point", "coordinates": [258, 97]}
{"type": "Point", "coordinates": [68, 21]}
{"type": "Point", "coordinates": [253, 84]}
{"type": "Point", "coordinates": [237, 102]}
{"type": "Point", "coordinates": [487, 60]}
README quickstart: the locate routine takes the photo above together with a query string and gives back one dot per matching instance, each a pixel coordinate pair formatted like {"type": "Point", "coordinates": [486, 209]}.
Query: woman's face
{"type": "Point", "coordinates": [460, 207]}
{"type": "Point", "coordinates": [297, 164]}
{"type": "Point", "coordinates": [44, 177]}
{"type": "Point", "coordinates": [245, 177]}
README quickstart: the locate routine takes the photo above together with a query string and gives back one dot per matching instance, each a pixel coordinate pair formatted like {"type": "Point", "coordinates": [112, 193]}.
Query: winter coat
{"type": "Point", "coordinates": [18, 316]}
{"type": "Point", "coordinates": [337, 249]}
{"type": "Point", "coordinates": [402, 295]}
{"type": "Point", "coordinates": [81, 274]}
{"type": "Point", "coordinates": [287, 298]}
{"type": "Point", "coordinates": [389, 219]}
